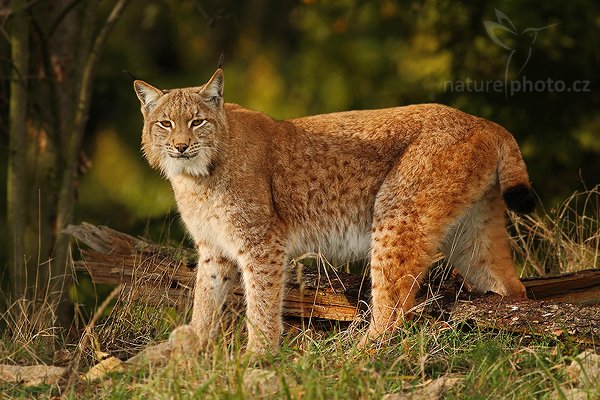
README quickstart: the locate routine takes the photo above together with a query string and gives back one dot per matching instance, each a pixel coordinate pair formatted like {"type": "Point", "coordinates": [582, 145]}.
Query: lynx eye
{"type": "Point", "coordinates": [165, 124]}
{"type": "Point", "coordinates": [198, 122]}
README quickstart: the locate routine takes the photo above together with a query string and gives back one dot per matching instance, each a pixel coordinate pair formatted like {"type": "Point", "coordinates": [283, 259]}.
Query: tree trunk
{"type": "Point", "coordinates": [17, 174]}
{"type": "Point", "coordinates": [46, 138]}
{"type": "Point", "coordinates": [90, 49]}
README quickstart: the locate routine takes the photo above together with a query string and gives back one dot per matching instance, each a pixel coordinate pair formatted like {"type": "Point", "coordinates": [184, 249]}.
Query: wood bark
{"type": "Point", "coordinates": [162, 275]}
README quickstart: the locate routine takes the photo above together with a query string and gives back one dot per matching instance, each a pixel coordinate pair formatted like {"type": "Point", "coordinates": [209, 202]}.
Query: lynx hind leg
{"type": "Point", "coordinates": [215, 279]}
{"type": "Point", "coordinates": [421, 197]}
{"type": "Point", "coordinates": [399, 258]}
{"type": "Point", "coordinates": [478, 247]}
{"type": "Point", "coordinates": [405, 238]}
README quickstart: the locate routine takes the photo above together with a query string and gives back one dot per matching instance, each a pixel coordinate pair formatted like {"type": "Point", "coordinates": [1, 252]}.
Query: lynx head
{"type": "Point", "coordinates": [182, 127]}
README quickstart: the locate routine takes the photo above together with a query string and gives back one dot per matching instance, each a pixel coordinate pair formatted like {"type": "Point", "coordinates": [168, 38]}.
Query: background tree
{"type": "Point", "coordinates": [55, 47]}
{"type": "Point", "coordinates": [288, 59]}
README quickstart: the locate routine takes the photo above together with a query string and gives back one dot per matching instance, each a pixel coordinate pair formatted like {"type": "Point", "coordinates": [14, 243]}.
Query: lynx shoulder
{"type": "Point", "coordinates": [393, 185]}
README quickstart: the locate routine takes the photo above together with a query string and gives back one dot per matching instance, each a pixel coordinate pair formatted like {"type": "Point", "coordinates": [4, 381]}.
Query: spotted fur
{"type": "Point", "coordinates": [393, 185]}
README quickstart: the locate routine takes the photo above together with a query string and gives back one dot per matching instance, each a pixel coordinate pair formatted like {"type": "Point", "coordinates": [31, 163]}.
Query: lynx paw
{"type": "Point", "coordinates": [370, 341]}
{"type": "Point", "coordinates": [184, 340]}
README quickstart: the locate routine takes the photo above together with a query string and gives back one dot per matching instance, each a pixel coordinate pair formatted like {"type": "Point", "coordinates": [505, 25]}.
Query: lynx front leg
{"type": "Point", "coordinates": [215, 278]}
{"type": "Point", "coordinates": [263, 273]}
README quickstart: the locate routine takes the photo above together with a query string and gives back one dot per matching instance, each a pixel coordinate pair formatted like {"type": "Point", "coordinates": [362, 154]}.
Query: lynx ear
{"type": "Point", "coordinates": [213, 90]}
{"type": "Point", "coordinates": [147, 94]}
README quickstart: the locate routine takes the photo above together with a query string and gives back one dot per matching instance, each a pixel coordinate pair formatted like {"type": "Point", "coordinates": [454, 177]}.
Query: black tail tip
{"type": "Point", "coordinates": [519, 198]}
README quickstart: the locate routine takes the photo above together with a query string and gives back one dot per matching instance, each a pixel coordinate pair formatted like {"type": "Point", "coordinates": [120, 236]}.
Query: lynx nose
{"type": "Point", "coordinates": [181, 147]}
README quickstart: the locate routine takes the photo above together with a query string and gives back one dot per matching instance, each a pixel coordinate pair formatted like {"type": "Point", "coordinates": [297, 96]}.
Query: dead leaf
{"type": "Point", "coordinates": [154, 356]}
{"type": "Point", "coordinates": [570, 394]}
{"type": "Point", "coordinates": [100, 370]}
{"type": "Point", "coordinates": [430, 390]}
{"type": "Point", "coordinates": [585, 369]}
{"type": "Point", "coordinates": [31, 375]}
{"type": "Point", "coordinates": [261, 383]}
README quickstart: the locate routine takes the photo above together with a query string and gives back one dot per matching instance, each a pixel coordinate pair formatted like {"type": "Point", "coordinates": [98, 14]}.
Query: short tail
{"type": "Point", "coordinates": [512, 174]}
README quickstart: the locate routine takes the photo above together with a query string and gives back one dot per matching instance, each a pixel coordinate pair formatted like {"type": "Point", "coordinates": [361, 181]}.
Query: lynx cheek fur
{"type": "Point", "coordinates": [395, 185]}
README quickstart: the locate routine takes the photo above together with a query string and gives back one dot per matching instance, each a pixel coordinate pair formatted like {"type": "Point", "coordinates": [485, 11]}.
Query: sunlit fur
{"type": "Point", "coordinates": [180, 107]}
{"type": "Point", "coordinates": [393, 185]}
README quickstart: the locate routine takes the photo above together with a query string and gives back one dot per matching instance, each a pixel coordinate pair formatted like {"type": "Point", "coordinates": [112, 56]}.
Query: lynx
{"type": "Point", "coordinates": [393, 185]}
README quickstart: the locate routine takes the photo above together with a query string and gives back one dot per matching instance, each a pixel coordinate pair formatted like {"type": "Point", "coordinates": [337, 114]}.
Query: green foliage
{"type": "Point", "coordinates": [290, 59]}
{"type": "Point", "coordinates": [13, 391]}
{"type": "Point", "coordinates": [313, 364]}
{"type": "Point", "coordinates": [329, 366]}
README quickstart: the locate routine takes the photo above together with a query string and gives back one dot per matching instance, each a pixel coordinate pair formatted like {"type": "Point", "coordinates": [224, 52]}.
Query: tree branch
{"type": "Point", "coordinates": [66, 198]}
{"type": "Point", "coordinates": [74, 138]}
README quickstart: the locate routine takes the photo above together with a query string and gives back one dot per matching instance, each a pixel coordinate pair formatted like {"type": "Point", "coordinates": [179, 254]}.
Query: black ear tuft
{"type": "Point", "coordinates": [132, 76]}
{"type": "Point", "coordinates": [519, 198]}
{"type": "Point", "coordinates": [221, 61]}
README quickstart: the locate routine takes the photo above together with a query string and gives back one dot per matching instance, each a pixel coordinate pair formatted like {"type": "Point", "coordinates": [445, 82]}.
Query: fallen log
{"type": "Point", "coordinates": [549, 318]}
{"type": "Point", "coordinates": [164, 275]}
{"type": "Point", "coordinates": [581, 287]}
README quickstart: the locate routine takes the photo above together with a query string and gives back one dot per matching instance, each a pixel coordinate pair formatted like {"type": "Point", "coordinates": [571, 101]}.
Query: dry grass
{"type": "Point", "coordinates": [564, 239]}
{"type": "Point", "coordinates": [315, 364]}
{"type": "Point", "coordinates": [31, 332]}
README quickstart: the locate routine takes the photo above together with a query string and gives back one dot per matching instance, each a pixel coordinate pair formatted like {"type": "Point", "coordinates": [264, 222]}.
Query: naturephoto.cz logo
{"type": "Point", "coordinates": [519, 47]}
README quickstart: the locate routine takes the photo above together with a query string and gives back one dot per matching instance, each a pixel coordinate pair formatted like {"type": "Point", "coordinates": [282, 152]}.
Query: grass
{"type": "Point", "coordinates": [563, 239]}
{"type": "Point", "coordinates": [326, 364]}
{"type": "Point", "coordinates": [489, 365]}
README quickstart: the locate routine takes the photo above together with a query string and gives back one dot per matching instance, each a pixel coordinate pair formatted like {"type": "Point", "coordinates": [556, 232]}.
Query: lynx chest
{"type": "Point", "coordinates": [207, 215]}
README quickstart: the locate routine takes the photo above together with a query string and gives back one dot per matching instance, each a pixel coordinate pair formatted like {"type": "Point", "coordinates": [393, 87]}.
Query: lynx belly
{"type": "Point", "coordinates": [338, 243]}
